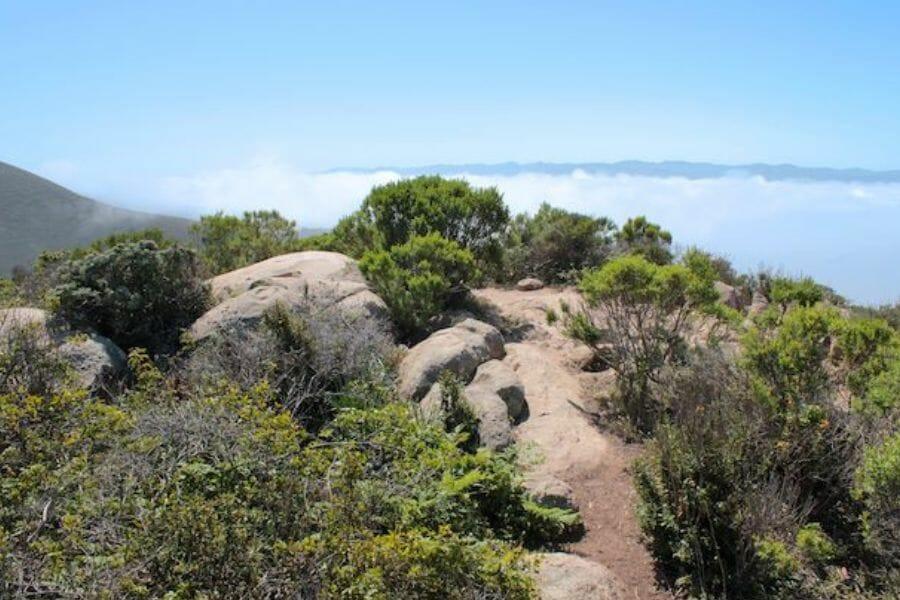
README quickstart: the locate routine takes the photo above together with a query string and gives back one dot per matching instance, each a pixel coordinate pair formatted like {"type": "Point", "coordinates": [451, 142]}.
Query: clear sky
{"type": "Point", "coordinates": [190, 107]}
{"type": "Point", "coordinates": [177, 87]}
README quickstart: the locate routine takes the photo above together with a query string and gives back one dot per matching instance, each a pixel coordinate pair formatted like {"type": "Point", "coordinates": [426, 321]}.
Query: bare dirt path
{"type": "Point", "coordinates": [559, 433]}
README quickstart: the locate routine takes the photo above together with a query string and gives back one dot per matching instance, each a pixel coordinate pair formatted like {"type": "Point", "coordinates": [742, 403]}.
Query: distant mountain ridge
{"type": "Point", "coordinates": [37, 214]}
{"type": "Point", "coordinates": [688, 170]}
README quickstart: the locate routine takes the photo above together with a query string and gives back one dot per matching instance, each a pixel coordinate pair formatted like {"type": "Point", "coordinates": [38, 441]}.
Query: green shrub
{"type": "Point", "coordinates": [735, 489]}
{"type": "Point", "coordinates": [227, 242]}
{"type": "Point", "coordinates": [419, 279]}
{"type": "Point", "coordinates": [556, 245]}
{"type": "Point", "coordinates": [644, 238]}
{"type": "Point", "coordinates": [236, 501]}
{"type": "Point", "coordinates": [9, 293]}
{"type": "Point", "coordinates": [393, 214]}
{"type": "Point", "coordinates": [883, 393]}
{"type": "Point", "coordinates": [801, 292]}
{"type": "Point", "coordinates": [646, 308]}
{"type": "Point", "coordinates": [877, 486]}
{"type": "Point", "coordinates": [865, 348]}
{"type": "Point", "coordinates": [135, 294]}
{"type": "Point", "coordinates": [815, 544]}
{"type": "Point", "coordinates": [789, 357]}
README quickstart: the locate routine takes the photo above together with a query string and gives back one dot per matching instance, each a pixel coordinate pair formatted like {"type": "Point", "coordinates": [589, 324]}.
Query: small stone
{"type": "Point", "coordinates": [529, 284]}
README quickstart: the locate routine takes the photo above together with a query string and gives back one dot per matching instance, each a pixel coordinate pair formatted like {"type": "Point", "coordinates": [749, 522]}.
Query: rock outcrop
{"type": "Point", "coordinates": [729, 295]}
{"type": "Point", "coordinates": [459, 349]}
{"type": "Point", "coordinates": [758, 304]}
{"type": "Point", "coordinates": [323, 279]}
{"type": "Point", "coordinates": [498, 378]}
{"type": "Point", "coordinates": [470, 350]}
{"type": "Point", "coordinates": [568, 576]}
{"type": "Point", "coordinates": [92, 357]}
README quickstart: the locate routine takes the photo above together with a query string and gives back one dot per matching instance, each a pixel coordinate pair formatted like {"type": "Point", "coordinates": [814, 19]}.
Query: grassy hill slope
{"type": "Point", "coordinates": [37, 214]}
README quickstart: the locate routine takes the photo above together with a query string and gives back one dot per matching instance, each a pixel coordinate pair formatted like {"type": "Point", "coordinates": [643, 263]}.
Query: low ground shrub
{"type": "Point", "coordinates": [314, 361]}
{"type": "Point", "coordinates": [237, 500]}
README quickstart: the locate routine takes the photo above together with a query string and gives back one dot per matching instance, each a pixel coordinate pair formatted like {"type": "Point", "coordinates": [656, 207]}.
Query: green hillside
{"type": "Point", "coordinates": [37, 214]}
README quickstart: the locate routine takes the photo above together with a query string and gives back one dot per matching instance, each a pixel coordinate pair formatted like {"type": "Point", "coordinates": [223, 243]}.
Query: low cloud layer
{"type": "Point", "coordinates": [841, 233]}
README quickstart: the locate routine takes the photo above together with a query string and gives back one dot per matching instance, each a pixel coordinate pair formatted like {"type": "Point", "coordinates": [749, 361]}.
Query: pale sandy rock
{"type": "Point", "coordinates": [494, 427]}
{"type": "Point", "coordinates": [728, 295]}
{"type": "Point", "coordinates": [758, 304]}
{"type": "Point", "coordinates": [459, 349]}
{"type": "Point", "coordinates": [503, 381]}
{"type": "Point", "coordinates": [321, 279]}
{"type": "Point", "coordinates": [92, 357]}
{"type": "Point", "coordinates": [548, 490]}
{"type": "Point", "coordinates": [312, 267]}
{"type": "Point", "coordinates": [569, 577]}
{"type": "Point", "coordinates": [529, 284]}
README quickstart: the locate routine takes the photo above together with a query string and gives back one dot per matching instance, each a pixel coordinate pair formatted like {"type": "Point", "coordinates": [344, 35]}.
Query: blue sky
{"type": "Point", "coordinates": [190, 107]}
{"type": "Point", "coordinates": [174, 87]}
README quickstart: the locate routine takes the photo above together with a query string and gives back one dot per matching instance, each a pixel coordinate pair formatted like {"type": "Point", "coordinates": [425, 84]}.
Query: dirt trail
{"type": "Point", "coordinates": [571, 448]}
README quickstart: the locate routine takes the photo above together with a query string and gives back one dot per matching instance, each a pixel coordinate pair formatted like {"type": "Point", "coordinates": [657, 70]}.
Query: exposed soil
{"type": "Point", "coordinates": [561, 438]}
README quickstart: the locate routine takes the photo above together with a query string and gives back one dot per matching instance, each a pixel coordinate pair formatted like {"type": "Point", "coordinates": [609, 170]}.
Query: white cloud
{"type": "Point", "coordinates": [842, 233]}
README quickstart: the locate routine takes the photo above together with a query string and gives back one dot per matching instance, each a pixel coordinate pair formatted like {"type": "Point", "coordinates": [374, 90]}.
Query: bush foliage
{"type": "Point", "coordinates": [555, 245]}
{"type": "Point", "coordinates": [226, 242]}
{"type": "Point", "coordinates": [419, 279]}
{"type": "Point", "coordinates": [645, 309]}
{"type": "Point", "coordinates": [237, 500]}
{"type": "Point", "coordinates": [136, 294]}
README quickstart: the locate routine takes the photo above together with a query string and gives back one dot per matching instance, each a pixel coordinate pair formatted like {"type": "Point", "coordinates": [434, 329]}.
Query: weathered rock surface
{"type": "Point", "coordinates": [323, 279]}
{"type": "Point", "coordinates": [93, 357]}
{"type": "Point", "coordinates": [500, 379]}
{"type": "Point", "coordinates": [728, 295]}
{"type": "Point", "coordinates": [758, 304]}
{"type": "Point", "coordinates": [312, 267]}
{"type": "Point", "coordinates": [494, 426]}
{"type": "Point", "coordinates": [459, 349]}
{"type": "Point", "coordinates": [548, 490]}
{"type": "Point", "coordinates": [529, 284]}
{"type": "Point", "coordinates": [568, 576]}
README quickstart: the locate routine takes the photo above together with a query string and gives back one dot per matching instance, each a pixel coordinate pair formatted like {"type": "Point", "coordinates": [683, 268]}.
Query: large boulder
{"type": "Point", "coordinates": [459, 349]}
{"type": "Point", "coordinates": [729, 295]}
{"type": "Point", "coordinates": [322, 279]}
{"type": "Point", "coordinates": [93, 358]}
{"type": "Point", "coordinates": [313, 268]}
{"type": "Point", "coordinates": [564, 576]}
{"type": "Point", "coordinates": [494, 427]}
{"type": "Point", "coordinates": [500, 379]}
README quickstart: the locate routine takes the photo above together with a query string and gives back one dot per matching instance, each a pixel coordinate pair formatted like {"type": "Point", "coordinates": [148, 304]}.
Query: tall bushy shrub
{"type": "Point", "coordinates": [789, 355]}
{"type": "Point", "coordinates": [646, 308]}
{"type": "Point", "coordinates": [745, 498]}
{"type": "Point", "coordinates": [420, 278]}
{"type": "Point", "coordinates": [645, 238]}
{"type": "Point", "coordinates": [136, 294]}
{"type": "Point", "coordinates": [227, 242]}
{"type": "Point", "coordinates": [556, 245]}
